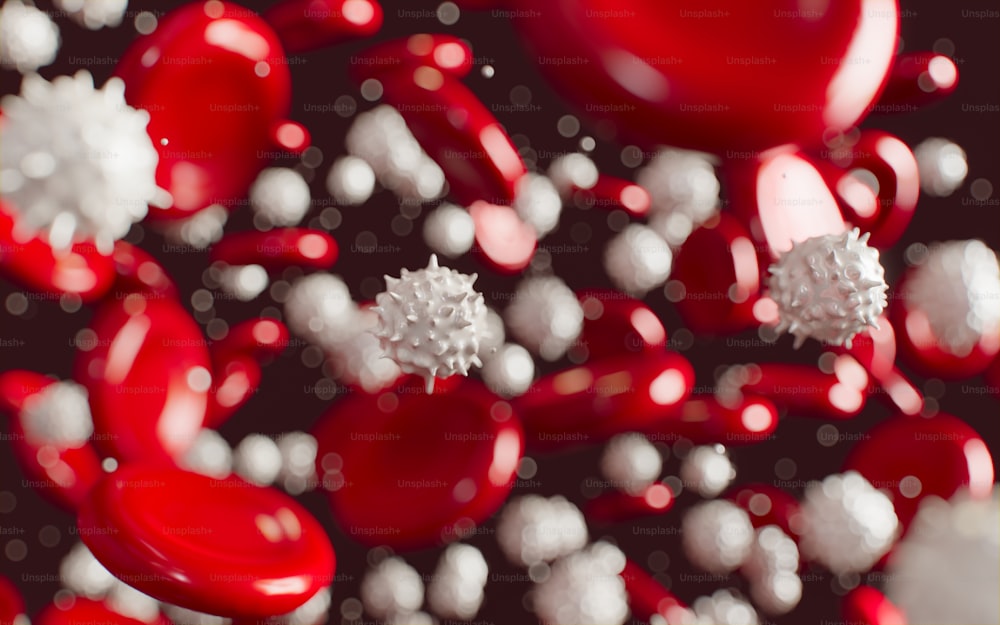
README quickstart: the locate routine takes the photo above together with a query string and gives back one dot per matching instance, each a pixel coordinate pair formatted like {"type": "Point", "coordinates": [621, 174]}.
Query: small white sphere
{"type": "Point", "coordinates": [431, 321]}
{"type": "Point", "coordinates": [724, 607]}
{"type": "Point", "coordinates": [298, 462]}
{"type": "Point", "coordinates": [957, 287]}
{"type": "Point", "coordinates": [135, 604]}
{"type": "Point", "coordinates": [199, 230]}
{"type": "Point", "coordinates": [82, 573]}
{"type": "Point", "coordinates": [707, 470]}
{"type": "Point", "coordinates": [638, 259]}
{"type": "Point", "coordinates": [210, 455]}
{"type": "Point", "coordinates": [94, 14]}
{"type": "Point", "coordinates": [573, 170]}
{"type": "Point", "coordinates": [631, 463]}
{"type": "Point", "coordinates": [357, 356]}
{"type": "Point", "coordinates": [829, 287]}
{"type": "Point", "coordinates": [281, 196]}
{"type": "Point", "coordinates": [545, 316]}
{"type": "Point", "coordinates": [772, 570]}
{"type": "Point", "coordinates": [29, 39]}
{"type": "Point", "coordinates": [58, 415]}
{"type": "Point", "coordinates": [319, 308]}
{"type": "Point", "coordinates": [184, 616]}
{"type": "Point", "coordinates": [510, 371]}
{"type": "Point", "coordinates": [351, 180]}
{"type": "Point", "coordinates": [584, 587]}
{"type": "Point", "coordinates": [845, 524]}
{"type": "Point", "coordinates": [945, 569]}
{"type": "Point", "coordinates": [942, 166]}
{"type": "Point", "coordinates": [533, 529]}
{"type": "Point", "coordinates": [392, 587]}
{"type": "Point", "coordinates": [449, 230]}
{"type": "Point", "coordinates": [314, 611]}
{"type": "Point", "coordinates": [538, 203]}
{"type": "Point", "coordinates": [683, 190]}
{"type": "Point", "coordinates": [777, 592]}
{"type": "Point", "coordinates": [456, 589]}
{"type": "Point", "coordinates": [244, 282]}
{"type": "Point", "coordinates": [257, 459]}
{"type": "Point", "coordinates": [717, 536]}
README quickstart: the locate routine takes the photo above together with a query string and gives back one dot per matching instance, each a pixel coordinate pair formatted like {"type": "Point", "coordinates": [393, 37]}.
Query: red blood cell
{"type": "Point", "coordinates": [89, 612]}
{"type": "Point", "coordinates": [445, 53]}
{"type": "Point", "coordinates": [277, 249]}
{"type": "Point", "coordinates": [715, 78]}
{"type": "Point", "coordinates": [866, 606]}
{"type": "Point", "coordinates": [917, 78]}
{"type": "Point", "coordinates": [615, 324]}
{"type": "Point", "coordinates": [148, 378]}
{"type": "Point", "coordinates": [224, 547]}
{"type": "Point", "coordinates": [617, 506]}
{"type": "Point", "coordinates": [503, 240]}
{"type": "Point", "coordinates": [704, 420]}
{"type": "Point", "coordinates": [912, 458]}
{"type": "Point", "coordinates": [263, 339]}
{"type": "Point", "coordinates": [307, 25]}
{"type": "Point", "coordinates": [807, 391]}
{"type": "Point", "coordinates": [611, 193]}
{"type": "Point", "coordinates": [235, 382]}
{"type": "Point", "coordinates": [647, 597]}
{"type": "Point", "coordinates": [11, 603]}
{"type": "Point", "coordinates": [216, 84]}
{"type": "Point", "coordinates": [873, 348]}
{"type": "Point", "coordinates": [412, 470]}
{"type": "Point", "coordinates": [139, 271]}
{"type": "Point", "coordinates": [766, 505]}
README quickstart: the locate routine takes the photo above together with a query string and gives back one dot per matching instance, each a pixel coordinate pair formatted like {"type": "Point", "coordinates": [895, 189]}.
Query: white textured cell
{"type": "Point", "coordinates": [683, 191]}
{"type": "Point", "coordinates": [584, 587]}
{"type": "Point", "coordinates": [29, 39]}
{"type": "Point", "coordinates": [298, 462]}
{"type": "Point", "coordinates": [381, 138]}
{"type": "Point", "coordinates": [829, 288]}
{"type": "Point", "coordinates": [281, 196]}
{"type": "Point", "coordinates": [772, 570]}
{"type": "Point", "coordinates": [58, 415]}
{"type": "Point", "coordinates": [845, 524]}
{"type": "Point", "coordinates": [81, 572]}
{"type": "Point", "coordinates": [957, 287]}
{"type": "Point", "coordinates": [244, 282]}
{"type": "Point", "coordinates": [637, 259]}
{"type": "Point", "coordinates": [631, 463]}
{"type": "Point", "coordinates": [707, 470]}
{"type": "Point", "coordinates": [533, 529]}
{"type": "Point", "coordinates": [319, 308]}
{"type": "Point", "coordinates": [449, 230]}
{"type": "Point", "coordinates": [392, 587]}
{"type": "Point", "coordinates": [724, 607]}
{"type": "Point", "coordinates": [538, 203]}
{"type": "Point", "coordinates": [210, 455]}
{"type": "Point", "coordinates": [351, 180]}
{"type": "Point", "coordinates": [545, 316]}
{"type": "Point", "coordinates": [717, 536]}
{"type": "Point", "coordinates": [94, 14]}
{"type": "Point", "coordinates": [571, 171]}
{"type": "Point", "coordinates": [184, 616]}
{"type": "Point", "coordinates": [199, 230]}
{"type": "Point", "coordinates": [510, 371]}
{"type": "Point", "coordinates": [942, 166]}
{"type": "Point", "coordinates": [257, 459]}
{"type": "Point", "coordinates": [76, 162]}
{"type": "Point", "coordinates": [456, 588]}
{"type": "Point", "coordinates": [945, 570]}
{"type": "Point", "coordinates": [431, 321]}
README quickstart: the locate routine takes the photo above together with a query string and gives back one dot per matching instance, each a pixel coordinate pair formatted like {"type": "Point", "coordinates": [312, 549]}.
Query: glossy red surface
{"type": "Point", "coordinates": [865, 605]}
{"type": "Point", "coordinates": [89, 612]}
{"type": "Point", "coordinates": [921, 457]}
{"type": "Point", "coordinates": [307, 25]}
{"type": "Point", "coordinates": [704, 420]}
{"type": "Point", "coordinates": [611, 193]}
{"type": "Point", "coordinates": [277, 249]}
{"type": "Point", "coordinates": [148, 377]}
{"type": "Point", "coordinates": [445, 53]}
{"type": "Point", "coordinates": [918, 78]}
{"type": "Point", "coordinates": [617, 506]}
{"type": "Point", "coordinates": [11, 604]}
{"type": "Point", "coordinates": [235, 381]}
{"type": "Point", "coordinates": [263, 339]}
{"type": "Point", "coordinates": [411, 470]}
{"type": "Point", "coordinates": [807, 391]}
{"type": "Point", "coordinates": [615, 324]}
{"type": "Point", "coordinates": [766, 505]}
{"type": "Point", "coordinates": [503, 241]}
{"type": "Point", "coordinates": [215, 81]}
{"type": "Point", "coordinates": [719, 77]}
{"type": "Point", "coordinates": [648, 596]}
{"type": "Point", "coordinates": [139, 271]}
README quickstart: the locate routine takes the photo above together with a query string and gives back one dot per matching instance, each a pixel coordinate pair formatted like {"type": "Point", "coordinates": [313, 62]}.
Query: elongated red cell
{"type": "Point", "coordinates": [615, 324]}
{"type": "Point", "coordinates": [262, 339]}
{"type": "Point", "coordinates": [307, 25]}
{"type": "Point", "coordinates": [766, 505]}
{"type": "Point", "coordinates": [139, 271]}
{"type": "Point", "coordinates": [236, 380]}
{"type": "Point", "coordinates": [445, 53]}
{"type": "Point", "coordinates": [612, 193]}
{"type": "Point", "coordinates": [617, 506]}
{"type": "Point", "coordinates": [503, 240]}
{"type": "Point", "coordinates": [865, 605]}
{"type": "Point", "coordinates": [277, 249]}
{"type": "Point", "coordinates": [916, 79]}
{"type": "Point", "coordinates": [648, 596]}
{"type": "Point", "coordinates": [704, 420]}
{"type": "Point", "coordinates": [807, 391]}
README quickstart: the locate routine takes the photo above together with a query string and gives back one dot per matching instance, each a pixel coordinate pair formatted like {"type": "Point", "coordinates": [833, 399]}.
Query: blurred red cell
{"type": "Point", "coordinates": [766, 505]}
{"type": "Point", "coordinates": [277, 249]}
{"type": "Point", "coordinates": [307, 25]}
{"type": "Point", "coordinates": [445, 53]}
{"type": "Point", "coordinates": [615, 324]}
{"type": "Point", "coordinates": [503, 241]}
{"type": "Point", "coordinates": [865, 605]}
{"type": "Point", "coordinates": [916, 79]}
{"type": "Point", "coordinates": [83, 611]}
{"type": "Point", "coordinates": [807, 391]}
{"type": "Point", "coordinates": [617, 506]}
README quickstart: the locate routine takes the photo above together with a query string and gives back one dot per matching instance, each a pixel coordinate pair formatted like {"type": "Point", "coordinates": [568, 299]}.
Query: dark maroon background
{"type": "Point", "coordinates": [286, 399]}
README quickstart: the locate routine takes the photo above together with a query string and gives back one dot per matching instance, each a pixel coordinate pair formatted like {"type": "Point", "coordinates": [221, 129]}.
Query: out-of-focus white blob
{"type": "Point", "coordinates": [638, 259]}
{"type": "Point", "coordinates": [281, 196]}
{"type": "Point", "coordinates": [717, 536]}
{"type": "Point", "coordinates": [683, 190]}
{"type": "Point", "coordinates": [724, 607]}
{"type": "Point", "coordinates": [128, 601]}
{"type": "Point", "coordinates": [545, 316]}
{"type": "Point", "coordinates": [584, 587]}
{"type": "Point", "coordinates": [94, 14]}
{"type": "Point", "coordinates": [351, 180]}
{"type": "Point", "coordinates": [829, 288]}
{"type": "Point", "coordinates": [359, 358]}
{"type": "Point", "coordinates": [184, 616]}
{"type": "Point", "coordinates": [942, 166]}
{"type": "Point", "coordinates": [631, 463]}
{"type": "Point", "coordinates": [81, 573]}
{"type": "Point", "coordinates": [728, 388]}
{"type": "Point", "coordinates": [538, 203]}
{"type": "Point", "coordinates": [533, 529]}
{"type": "Point", "coordinates": [58, 415]}
{"type": "Point", "coordinates": [707, 470]}
{"type": "Point", "coordinates": [76, 162]}
{"type": "Point", "coordinates": [199, 230]}
{"type": "Point", "coordinates": [381, 138]}
{"type": "Point", "coordinates": [410, 618]}
{"type": "Point", "coordinates": [210, 455]}
{"type": "Point", "coordinates": [257, 459]}
{"type": "Point", "coordinates": [319, 308]}
{"type": "Point", "coordinates": [431, 321]}
{"type": "Point", "coordinates": [392, 587]}
{"type": "Point", "coordinates": [29, 39]}
{"type": "Point", "coordinates": [945, 569]}
{"type": "Point", "coordinates": [845, 524]}
{"type": "Point", "coordinates": [494, 336]}
{"type": "Point", "coordinates": [957, 287]}
{"type": "Point", "coordinates": [510, 371]}
{"type": "Point", "coordinates": [244, 282]}
{"type": "Point", "coordinates": [314, 611]}
{"type": "Point", "coordinates": [772, 570]}
{"type": "Point", "coordinates": [571, 171]}
{"type": "Point", "coordinates": [449, 230]}
{"type": "Point", "coordinates": [298, 462]}
{"type": "Point", "coordinates": [456, 589]}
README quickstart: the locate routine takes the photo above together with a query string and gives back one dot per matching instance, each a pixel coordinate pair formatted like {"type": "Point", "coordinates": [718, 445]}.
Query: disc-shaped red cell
{"type": "Point", "coordinates": [11, 603]}
{"type": "Point", "coordinates": [89, 612]}
{"type": "Point", "coordinates": [223, 547]}
{"type": "Point", "coordinates": [407, 469]}
{"type": "Point", "coordinates": [615, 324]}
